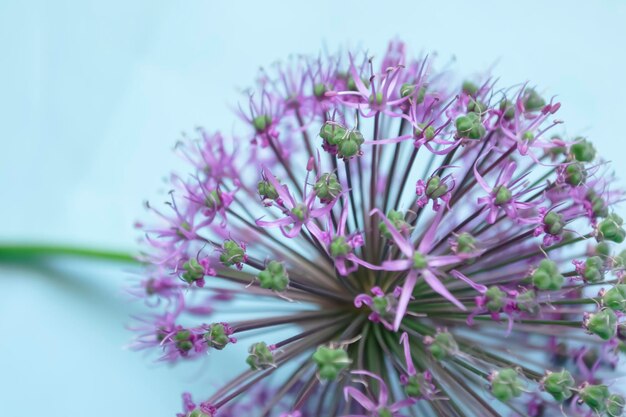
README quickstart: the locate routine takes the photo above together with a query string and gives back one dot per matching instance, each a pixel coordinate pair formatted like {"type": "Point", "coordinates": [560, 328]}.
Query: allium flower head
{"type": "Point", "coordinates": [432, 245]}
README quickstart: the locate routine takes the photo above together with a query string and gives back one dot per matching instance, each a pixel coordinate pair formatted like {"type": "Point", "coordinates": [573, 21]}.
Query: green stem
{"type": "Point", "coordinates": [24, 252]}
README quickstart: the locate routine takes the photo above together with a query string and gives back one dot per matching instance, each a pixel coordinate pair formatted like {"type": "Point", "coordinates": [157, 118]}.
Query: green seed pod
{"type": "Point", "coordinates": [379, 305]}
{"type": "Point", "coordinates": [261, 123]}
{"type": "Point", "coordinates": [267, 190]}
{"type": "Point", "coordinates": [213, 200]}
{"type": "Point", "coordinates": [533, 101]}
{"type": "Point", "coordinates": [507, 109]}
{"type": "Point", "coordinates": [193, 271]}
{"type": "Point", "coordinates": [496, 298]}
{"type": "Point", "coordinates": [419, 261]}
{"type": "Point", "coordinates": [300, 211]}
{"type": "Point", "coordinates": [527, 301]}
{"type": "Point", "coordinates": [465, 243]}
{"type": "Point", "coordinates": [554, 222]}
{"type": "Point", "coordinates": [435, 188]}
{"type": "Point", "coordinates": [319, 90]}
{"type": "Point", "coordinates": [232, 253]}
{"type": "Point", "coordinates": [198, 413]}
{"type": "Point", "coordinates": [559, 385]}
{"type": "Point", "coordinates": [603, 324]}
{"type": "Point", "coordinates": [470, 126]}
{"type": "Point", "coordinates": [598, 206]}
{"type": "Point", "coordinates": [332, 133]}
{"type": "Point", "coordinates": [594, 269]}
{"type": "Point", "coordinates": [603, 250]}
{"type": "Point", "coordinates": [350, 145]}
{"type": "Point", "coordinates": [506, 385]}
{"type": "Point", "coordinates": [595, 396]}
{"type": "Point", "coordinates": [413, 387]}
{"type": "Point", "coordinates": [339, 247]}
{"type": "Point", "coordinates": [615, 298]}
{"type": "Point", "coordinates": [378, 100]}
{"type": "Point", "coordinates": [397, 219]}
{"type": "Point", "coordinates": [615, 405]}
{"type": "Point", "coordinates": [327, 187]}
{"type": "Point", "coordinates": [503, 195]}
{"type": "Point", "coordinates": [611, 229]}
{"type": "Point", "coordinates": [443, 345]}
{"type": "Point", "coordinates": [217, 337]}
{"type": "Point", "coordinates": [469, 88]}
{"type": "Point", "coordinates": [261, 357]}
{"type": "Point", "coordinates": [575, 174]}
{"type": "Point", "coordinates": [476, 106]}
{"type": "Point", "coordinates": [274, 277]}
{"type": "Point", "coordinates": [583, 150]}
{"type": "Point", "coordinates": [547, 276]}
{"type": "Point", "coordinates": [330, 362]}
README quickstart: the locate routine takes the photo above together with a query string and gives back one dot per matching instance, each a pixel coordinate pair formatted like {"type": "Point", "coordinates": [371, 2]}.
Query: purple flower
{"type": "Point", "coordinates": [389, 242]}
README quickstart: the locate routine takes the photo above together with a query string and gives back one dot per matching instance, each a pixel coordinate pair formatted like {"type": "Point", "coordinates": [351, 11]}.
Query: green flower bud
{"type": "Point", "coordinates": [470, 126]}
{"type": "Point", "coordinates": [198, 413]}
{"type": "Point", "coordinates": [465, 243]}
{"type": "Point", "coordinates": [469, 88]}
{"type": "Point", "coordinates": [615, 298]}
{"type": "Point", "coordinates": [435, 188]}
{"type": "Point", "coordinates": [496, 298]}
{"type": "Point", "coordinates": [619, 261]}
{"type": "Point", "coordinates": [615, 405]}
{"type": "Point", "coordinates": [213, 200]}
{"type": "Point", "coordinates": [443, 345]}
{"type": "Point", "coordinates": [217, 336]}
{"type": "Point", "coordinates": [594, 269]}
{"type": "Point", "coordinates": [559, 385]}
{"type": "Point", "coordinates": [575, 174]}
{"type": "Point", "coordinates": [351, 84]}
{"type": "Point", "coordinates": [603, 250]}
{"type": "Point", "coordinates": [350, 145]}
{"type": "Point", "coordinates": [261, 123]}
{"type": "Point", "coordinates": [603, 323]}
{"type": "Point", "coordinates": [503, 195]}
{"type": "Point", "coordinates": [508, 109]}
{"type": "Point", "coordinates": [419, 261]}
{"type": "Point", "coordinates": [319, 90]}
{"type": "Point", "coordinates": [380, 304]}
{"type": "Point", "coordinates": [476, 106]}
{"type": "Point", "coordinates": [193, 271]}
{"type": "Point", "coordinates": [274, 277]}
{"type": "Point", "coordinates": [330, 362]}
{"type": "Point", "coordinates": [397, 219]}
{"type": "Point", "coordinates": [332, 133]}
{"type": "Point", "coordinates": [533, 101]}
{"type": "Point", "coordinates": [327, 188]}
{"type": "Point", "coordinates": [413, 387]}
{"type": "Point", "coordinates": [595, 396]}
{"type": "Point", "coordinates": [339, 247]}
{"type": "Point", "coordinates": [583, 150]}
{"type": "Point", "coordinates": [267, 190]}
{"type": "Point", "coordinates": [611, 229]}
{"type": "Point", "coordinates": [598, 206]}
{"type": "Point", "coordinates": [232, 253]}
{"type": "Point", "coordinates": [528, 136]}
{"type": "Point", "coordinates": [261, 357]}
{"type": "Point", "coordinates": [379, 98]}
{"type": "Point", "coordinates": [300, 211]}
{"type": "Point", "coordinates": [554, 222]}
{"type": "Point", "coordinates": [526, 301]}
{"type": "Point", "coordinates": [547, 276]}
{"type": "Point", "coordinates": [506, 385]}
{"type": "Point", "coordinates": [184, 227]}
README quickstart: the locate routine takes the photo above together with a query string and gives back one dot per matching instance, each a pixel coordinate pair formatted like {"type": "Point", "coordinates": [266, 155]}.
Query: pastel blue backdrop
{"type": "Point", "coordinates": [93, 95]}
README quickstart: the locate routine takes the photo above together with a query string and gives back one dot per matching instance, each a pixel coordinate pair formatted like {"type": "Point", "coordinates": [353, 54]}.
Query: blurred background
{"type": "Point", "coordinates": [94, 94]}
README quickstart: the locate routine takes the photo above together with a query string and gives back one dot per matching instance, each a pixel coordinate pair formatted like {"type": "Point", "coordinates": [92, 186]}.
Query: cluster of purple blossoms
{"type": "Point", "coordinates": [432, 245]}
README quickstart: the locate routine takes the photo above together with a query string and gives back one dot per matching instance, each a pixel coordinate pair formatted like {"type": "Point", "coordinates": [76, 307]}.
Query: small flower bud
{"type": "Point", "coordinates": [213, 200]}
{"type": "Point", "coordinates": [218, 335]}
{"type": "Point", "coordinates": [476, 106]}
{"type": "Point", "coordinates": [470, 126]}
{"type": "Point", "coordinates": [397, 219]}
{"type": "Point", "coordinates": [327, 188]}
{"type": "Point", "coordinates": [332, 133]}
{"type": "Point", "coordinates": [261, 357]}
{"type": "Point", "coordinates": [435, 188]}
{"type": "Point", "coordinates": [611, 229]}
{"type": "Point", "coordinates": [419, 261]}
{"type": "Point", "coordinates": [603, 323]}
{"type": "Point", "coordinates": [232, 253]}
{"type": "Point", "coordinates": [469, 88]}
{"type": "Point", "coordinates": [339, 247]}
{"type": "Point", "coordinates": [503, 195]}
{"type": "Point", "coordinates": [615, 298]}
{"type": "Point", "coordinates": [547, 276]}
{"type": "Point", "coordinates": [507, 109]}
{"type": "Point", "coordinates": [442, 345]}
{"type": "Point", "coordinates": [559, 384]}
{"type": "Point", "coordinates": [594, 269]}
{"type": "Point", "coordinates": [506, 384]}
{"type": "Point", "coordinates": [300, 211]}
{"type": "Point", "coordinates": [274, 277]}
{"type": "Point", "coordinates": [319, 90]}
{"type": "Point", "coordinates": [615, 405]}
{"type": "Point", "coordinates": [527, 301]}
{"type": "Point", "coordinates": [575, 174]}
{"type": "Point", "coordinates": [193, 271]}
{"type": "Point", "coordinates": [496, 298]}
{"type": "Point", "coordinates": [199, 413]}
{"type": "Point", "coordinates": [533, 101]}
{"type": "Point", "coordinates": [350, 145]}
{"type": "Point", "coordinates": [266, 190]}
{"type": "Point", "coordinates": [330, 362]}
{"type": "Point", "coordinates": [598, 206]}
{"type": "Point", "coordinates": [595, 396]}
{"type": "Point", "coordinates": [261, 123]}
{"type": "Point", "coordinates": [553, 222]}
{"type": "Point", "coordinates": [583, 150]}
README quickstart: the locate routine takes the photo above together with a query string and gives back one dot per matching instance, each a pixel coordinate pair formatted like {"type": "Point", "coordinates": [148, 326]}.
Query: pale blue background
{"type": "Point", "coordinates": [94, 94]}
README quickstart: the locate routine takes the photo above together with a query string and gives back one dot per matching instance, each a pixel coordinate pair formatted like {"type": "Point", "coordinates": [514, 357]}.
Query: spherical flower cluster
{"type": "Point", "coordinates": [433, 245]}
